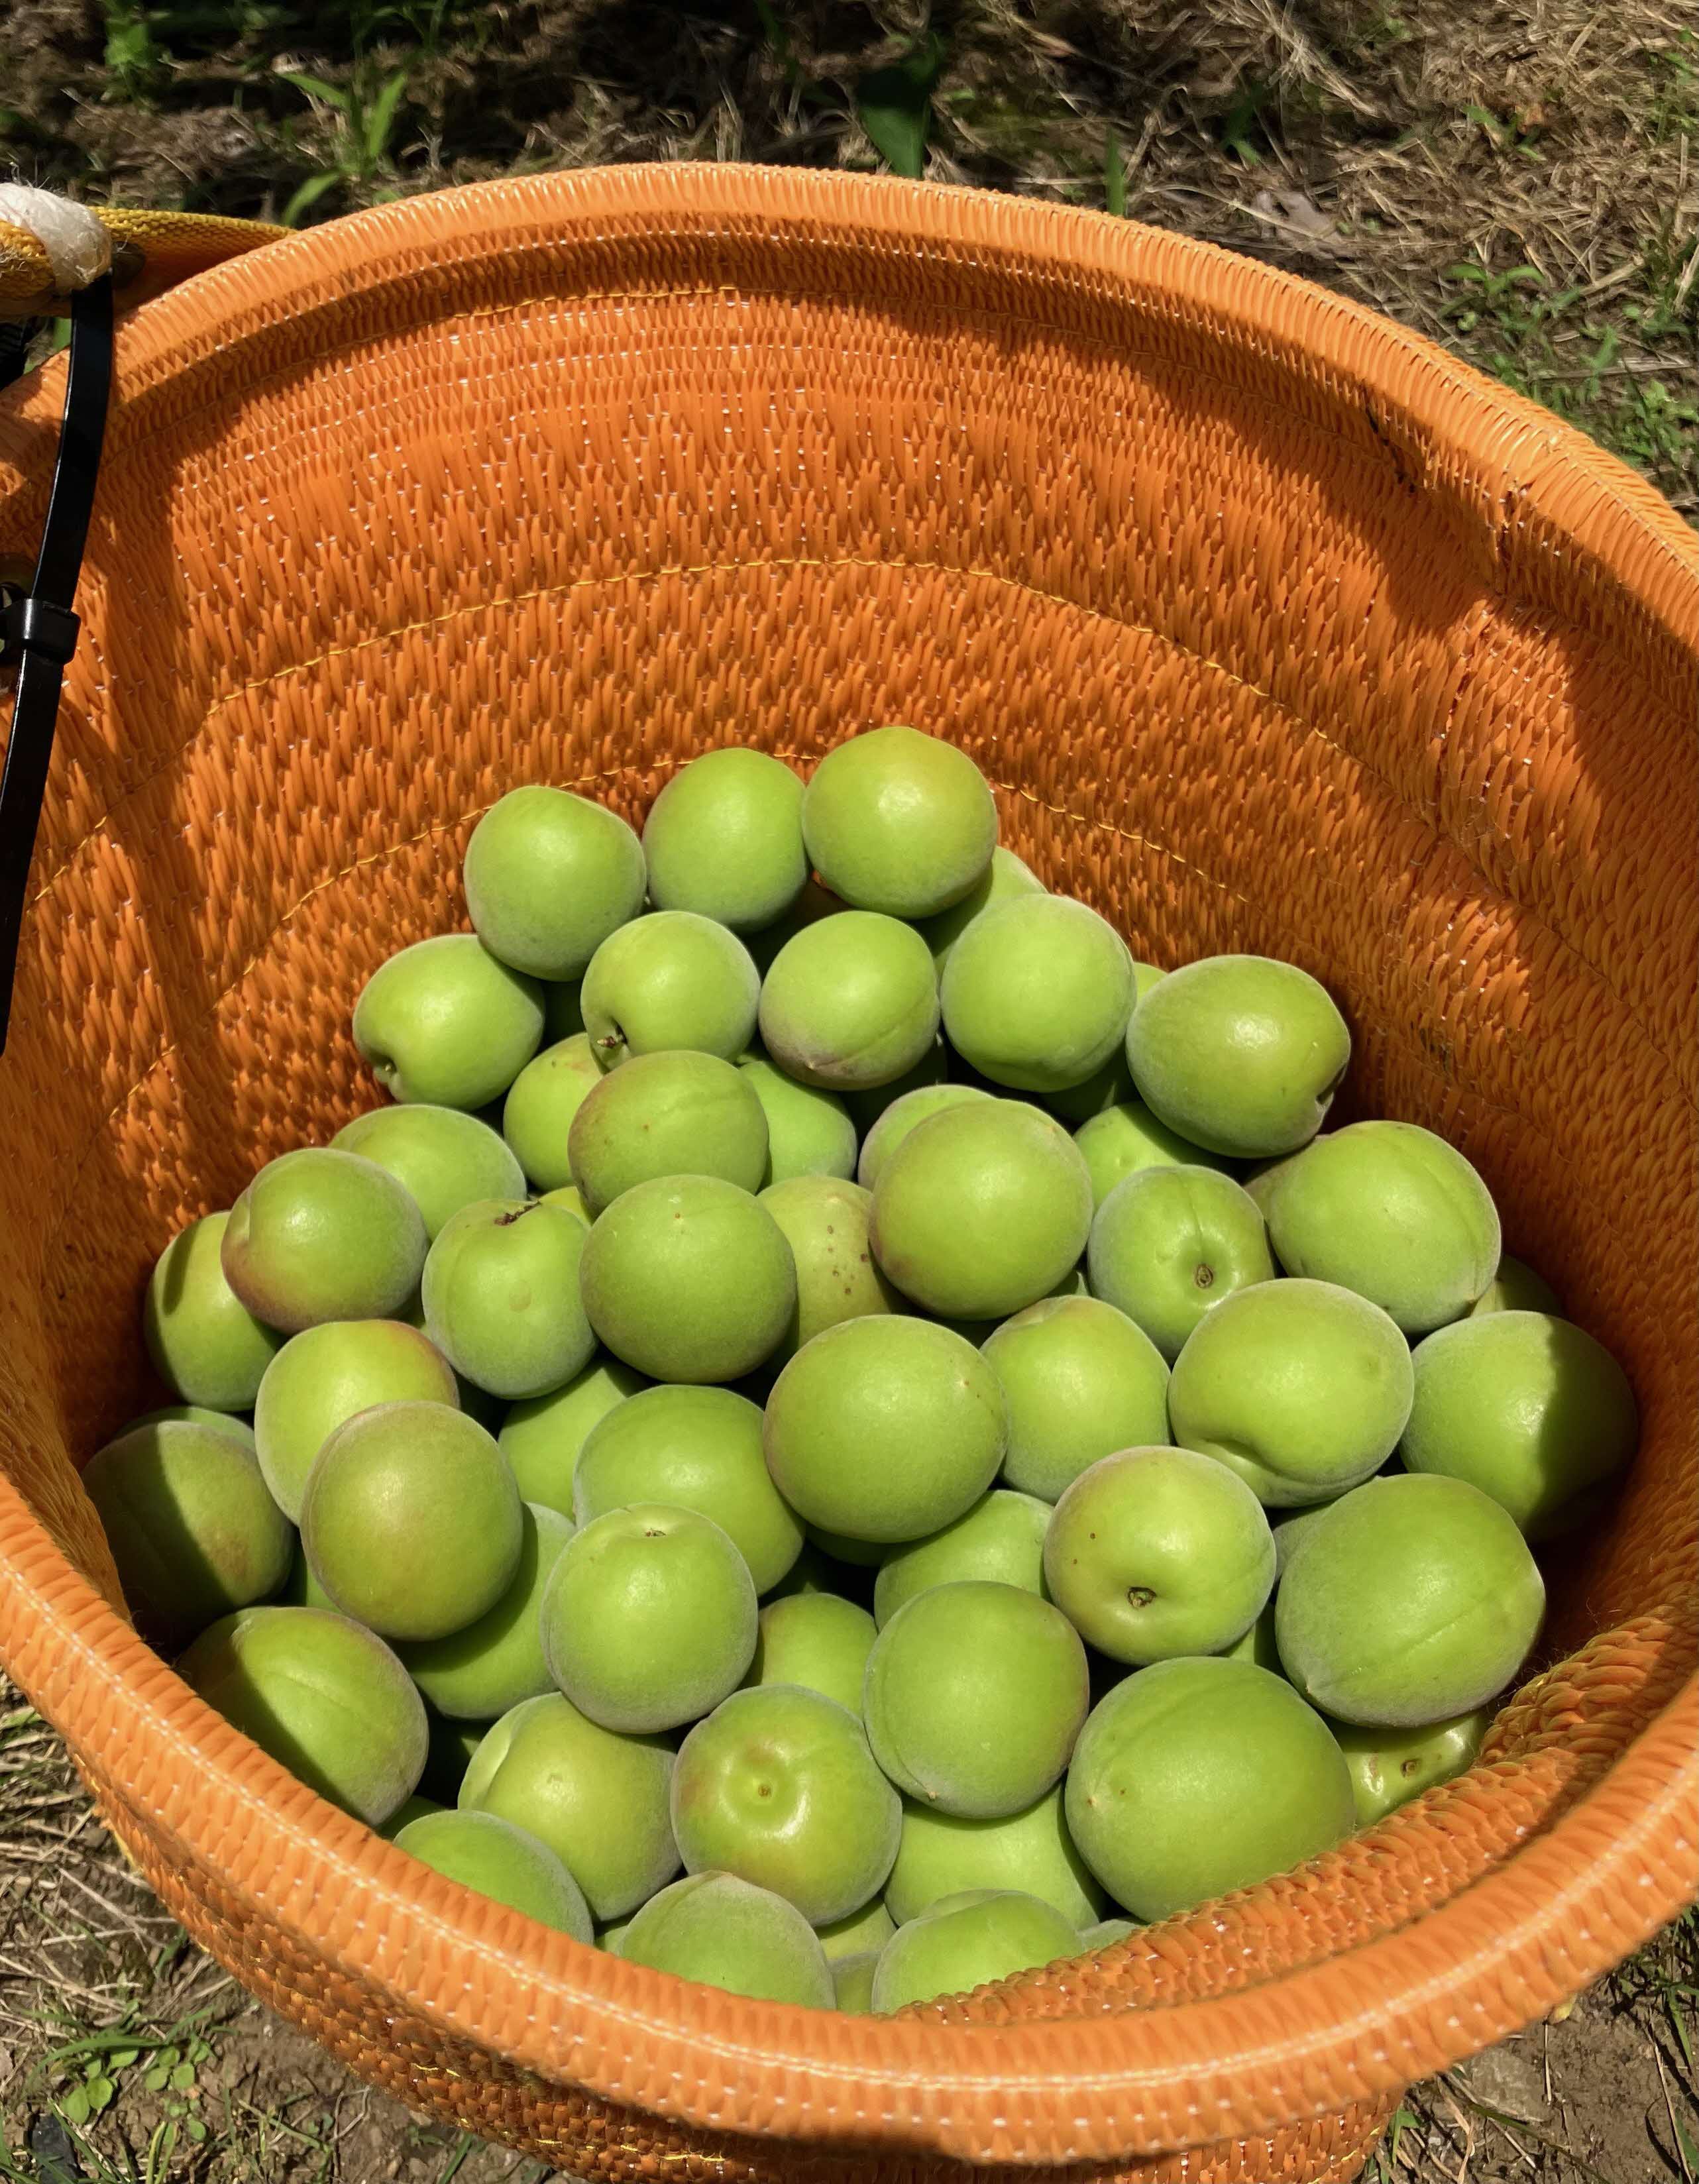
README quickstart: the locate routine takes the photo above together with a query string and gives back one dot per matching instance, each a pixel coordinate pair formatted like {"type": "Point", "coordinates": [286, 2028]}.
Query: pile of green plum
{"type": "Point", "coordinates": [840, 1435]}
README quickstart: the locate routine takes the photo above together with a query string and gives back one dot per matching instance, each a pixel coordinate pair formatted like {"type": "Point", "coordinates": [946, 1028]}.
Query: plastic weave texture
{"type": "Point", "coordinates": [1275, 628]}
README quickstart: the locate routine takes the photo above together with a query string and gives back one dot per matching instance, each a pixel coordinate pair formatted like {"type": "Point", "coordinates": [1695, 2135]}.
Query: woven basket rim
{"type": "Point", "coordinates": [1362, 2023]}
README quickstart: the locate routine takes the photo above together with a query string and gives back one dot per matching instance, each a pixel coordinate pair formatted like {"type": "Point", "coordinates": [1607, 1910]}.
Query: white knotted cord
{"type": "Point", "coordinates": [78, 247]}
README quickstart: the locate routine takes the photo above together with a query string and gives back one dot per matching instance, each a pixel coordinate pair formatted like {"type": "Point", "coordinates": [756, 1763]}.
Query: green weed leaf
{"type": "Point", "coordinates": [307, 195]}
{"type": "Point", "coordinates": [893, 105]}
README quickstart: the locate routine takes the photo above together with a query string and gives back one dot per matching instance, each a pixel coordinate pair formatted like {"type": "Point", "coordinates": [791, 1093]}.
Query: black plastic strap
{"type": "Point", "coordinates": [38, 631]}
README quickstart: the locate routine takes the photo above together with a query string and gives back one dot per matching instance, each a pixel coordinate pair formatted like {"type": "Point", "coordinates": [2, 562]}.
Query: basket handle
{"type": "Point", "coordinates": [54, 256]}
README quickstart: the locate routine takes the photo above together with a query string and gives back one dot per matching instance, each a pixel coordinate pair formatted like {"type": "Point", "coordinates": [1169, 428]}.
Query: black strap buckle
{"type": "Point", "coordinates": [40, 629]}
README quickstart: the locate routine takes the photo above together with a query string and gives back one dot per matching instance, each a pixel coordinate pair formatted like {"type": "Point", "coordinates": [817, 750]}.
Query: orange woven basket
{"type": "Point", "coordinates": [1276, 628]}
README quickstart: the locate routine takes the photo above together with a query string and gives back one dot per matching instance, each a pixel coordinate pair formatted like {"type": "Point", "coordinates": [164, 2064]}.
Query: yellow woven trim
{"type": "Point", "coordinates": [156, 250]}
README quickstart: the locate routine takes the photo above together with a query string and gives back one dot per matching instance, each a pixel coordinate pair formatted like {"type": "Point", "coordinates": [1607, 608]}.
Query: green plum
{"type": "Point", "coordinates": [899, 821]}
{"type": "Point", "coordinates": [1155, 1553]}
{"type": "Point", "coordinates": [1125, 1139]}
{"type": "Point", "coordinates": [479, 1672]}
{"type": "Point", "coordinates": [194, 1532]}
{"type": "Point", "coordinates": [1412, 1599]}
{"type": "Point", "coordinates": [1001, 1538]}
{"type": "Point", "coordinates": [543, 1438]}
{"type": "Point", "coordinates": [940, 1855]}
{"type": "Point", "coordinates": [885, 1428]}
{"type": "Point", "coordinates": [814, 902]}
{"type": "Point", "coordinates": [205, 1344]}
{"type": "Point", "coordinates": [1262, 1179]}
{"type": "Point", "coordinates": [1036, 993]}
{"type": "Point", "coordinates": [1169, 1246]}
{"type": "Point", "coordinates": [322, 1235]}
{"type": "Point", "coordinates": [1259, 1646]}
{"type": "Point", "coordinates": [778, 1786]}
{"type": "Point", "coordinates": [495, 1858]}
{"type": "Point", "coordinates": [1392, 1212]}
{"type": "Point", "coordinates": [325, 1698]}
{"type": "Point", "coordinates": [824, 1222]}
{"type": "Point", "coordinates": [1526, 1406]}
{"type": "Point", "coordinates": [301, 1588]}
{"type": "Point", "coordinates": [322, 1377]}
{"type": "Point", "coordinates": [1105, 1933]}
{"type": "Point", "coordinates": [866, 1107]}
{"type": "Point", "coordinates": [411, 1520]}
{"type": "Point", "coordinates": [691, 1448]}
{"type": "Point", "coordinates": [446, 1023]}
{"type": "Point", "coordinates": [809, 1131]}
{"type": "Point", "coordinates": [194, 1414]}
{"type": "Point", "coordinates": [675, 1113]}
{"type": "Point", "coordinates": [452, 1747]}
{"type": "Point", "coordinates": [974, 1695]}
{"type": "Point", "coordinates": [502, 1296]}
{"type": "Point", "coordinates": [981, 1210]}
{"type": "Point", "coordinates": [563, 1012]}
{"type": "Point", "coordinates": [1004, 878]}
{"type": "Point", "coordinates": [1108, 1086]}
{"type": "Point", "coordinates": [444, 1157]}
{"type": "Point", "coordinates": [1241, 1054]}
{"type": "Point", "coordinates": [852, 1982]}
{"type": "Point", "coordinates": [815, 1640]}
{"type": "Point", "coordinates": [649, 1617]}
{"type": "Point", "coordinates": [670, 979]}
{"type": "Point", "coordinates": [1388, 1767]}
{"type": "Point", "coordinates": [1516, 1288]}
{"type": "Point", "coordinates": [724, 839]}
{"type": "Point", "coordinates": [1303, 1388]}
{"type": "Point", "coordinates": [850, 1002]}
{"type": "Point", "coordinates": [1193, 1778]}
{"type": "Point", "coordinates": [863, 1932]}
{"type": "Point", "coordinates": [404, 1816]}
{"type": "Point", "coordinates": [689, 1278]}
{"type": "Point", "coordinates": [569, 1196]}
{"type": "Point", "coordinates": [610, 1936]}
{"type": "Point", "coordinates": [1082, 1380]}
{"type": "Point", "coordinates": [597, 1798]}
{"type": "Point", "coordinates": [724, 1932]}
{"type": "Point", "coordinates": [542, 1105]}
{"type": "Point", "coordinates": [898, 1119]}
{"type": "Point", "coordinates": [549, 877]}
{"type": "Point", "coordinates": [859, 1555]}
{"type": "Point", "coordinates": [1289, 1526]}
{"type": "Point", "coordinates": [966, 1942]}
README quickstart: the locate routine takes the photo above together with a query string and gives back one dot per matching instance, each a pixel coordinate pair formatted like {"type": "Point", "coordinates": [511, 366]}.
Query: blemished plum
{"type": "Point", "coordinates": [867, 1930]}
{"type": "Point", "coordinates": [725, 1932]}
{"type": "Point", "coordinates": [543, 1438]}
{"type": "Point", "coordinates": [1411, 1600]}
{"type": "Point", "coordinates": [326, 1698]}
{"type": "Point", "coordinates": [540, 1107]}
{"type": "Point", "coordinates": [940, 1855]}
{"type": "Point", "coordinates": [482, 1671]}
{"type": "Point", "coordinates": [852, 1982]}
{"type": "Point", "coordinates": [1005, 877]}
{"type": "Point", "coordinates": [194, 1533]}
{"type": "Point", "coordinates": [778, 1786]}
{"type": "Point", "coordinates": [1036, 993]}
{"type": "Point", "coordinates": [1125, 1139]}
{"type": "Point", "coordinates": [1516, 1287]}
{"type": "Point", "coordinates": [982, 1210]}
{"type": "Point", "coordinates": [966, 1942]}
{"type": "Point", "coordinates": [1394, 1212]}
{"type": "Point", "coordinates": [1168, 1246]}
{"type": "Point", "coordinates": [688, 1278]}
{"type": "Point", "coordinates": [1196, 1777]}
{"type": "Point", "coordinates": [816, 1639]}
{"type": "Point", "coordinates": [724, 839]}
{"type": "Point", "coordinates": [675, 1113]}
{"type": "Point", "coordinates": [1388, 1767]}
{"type": "Point", "coordinates": [597, 1798]}
{"type": "Point", "coordinates": [691, 1448]}
{"type": "Point", "coordinates": [885, 1428]}
{"type": "Point", "coordinates": [502, 1296]}
{"type": "Point", "coordinates": [1241, 1054]}
{"type": "Point", "coordinates": [1529, 1408]}
{"type": "Point", "coordinates": [446, 1023]}
{"type": "Point", "coordinates": [206, 1345]}
{"type": "Point", "coordinates": [649, 1617]}
{"type": "Point", "coordinates": [549, 877]}
{"type": "Point", "coordinates": [999, 1539]}
{"type": "Point", "coordinates": [825, 1220]}
{"type": "Point", "coordinates": [670, 979]}
{"type": "Point", "coordinates": [322, 1377]}
{"type": "Point", "coordinates": [1156, 1552]}
{"type": "Point", "coordinates": [809, 1130]}
{"type": "Point", "coordinates": [850, 1002]}
{"type": "Point", "coordinates": [898, 1119]}
{"type": "Point", "coordinates": [973, 1697]}
{"type": "Point", "coordinates": [411, 1520]}
{"type": "Point", "coordinates": [900, 822]}
{"type": "Point", "coordinates": [1302, 1387]}
{"type": "Point", "coordinates": [322, 1235]}
{"type": "Point", "coordinates": [1082, 1380]}
{"type": "Point", "coordinates": [444, 1157]}
{"type": "Point", "coordinates": [502, 1862]}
